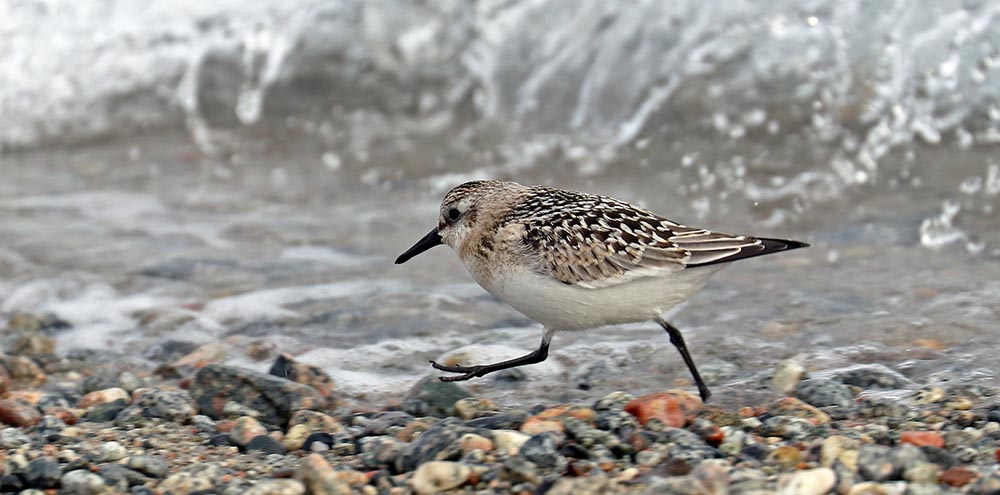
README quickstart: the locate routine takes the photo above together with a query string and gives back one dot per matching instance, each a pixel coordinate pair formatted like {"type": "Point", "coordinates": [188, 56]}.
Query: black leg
{"type": "Point", "coordinates": [534, 357]}
{"type": "Point", "coordinates": [678, 341]}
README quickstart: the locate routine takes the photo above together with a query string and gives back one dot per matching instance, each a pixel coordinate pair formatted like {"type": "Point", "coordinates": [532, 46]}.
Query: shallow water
{"type": "Point", "coordinates": [169, 210]}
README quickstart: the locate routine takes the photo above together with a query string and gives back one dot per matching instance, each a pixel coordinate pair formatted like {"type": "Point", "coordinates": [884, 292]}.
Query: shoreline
{"type": "Point", "coordinates": [79, 424]}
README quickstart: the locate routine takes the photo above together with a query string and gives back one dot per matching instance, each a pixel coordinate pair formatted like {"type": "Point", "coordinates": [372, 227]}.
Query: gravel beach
{"type": "Point", "coordinates": [91, 422]}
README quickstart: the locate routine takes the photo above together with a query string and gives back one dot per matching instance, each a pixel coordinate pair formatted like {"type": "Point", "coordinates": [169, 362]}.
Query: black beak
{"type": "Point", "coordinates": [428, 241]}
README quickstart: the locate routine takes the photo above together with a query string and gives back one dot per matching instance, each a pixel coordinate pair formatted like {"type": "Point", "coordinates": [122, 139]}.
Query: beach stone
{"type": "Point", "coordinates": [30, 343]}
{"type": "Point", "coordinates": [42, 472]}
{"type": "Point", "coordinates": [318, 441]}
{"type": "Point", "coordinates": [266, 444]}
{"type": "Point", "coordinates": [380, 423]}
{"type": "Point", "coordinates": [823, 393]}
{"type": "Point", "coordinates": [439, 476]}
{"type": "Point", "coordinates": [288, 368]}
{"type": "Point", "coordinates": [171, 405]}
{"type": "Point", "coordinates": [957, 477]}
{"type": "Point", "coordinates": [105, 411]}
{"type": "Point", "coordinates": [872, 488]}
{"type": "Point", "coordinates": [786, 456]}
{"type": "Point", "coordinates": [379, 451]}
{"type": "Point", "coordinates": [11, 438]}
{"type": "Point", "coordinates": [296, 436]}
{"type": "Point", "coordinates": [542, 450]}
{"type": "Point", "coordinates": [119, 477]}
{"type": "Point", "coordinates": [110, 451]}
{"type": "Point", "coordinates": [471, 441]}
{"type": "Point", "coordinates": [873, 376]}
{"type": "Point", "coordinates": [319, 478]}
{"type": "Point", "coordinates": [436, 444]}
{"type": "Point", "coordinates": [18, 413]}
{"type": "Point", "coordinates": [103, 397]}
{"type": "Point", "coordinates": [673, 408]}
{"type": "Point", "coordinates": [200, 477]}
{"type": "Point", "coordinates": [13, 483]}
{"type": "Point", "coordinates": [203, 424]}
{"type": "Point", "coordinates": [245, 429]}
{"type": "Point", "coordinates": [839, 448]}
{"type": "Point", "coordinates": [5, 381]}
{"type": "Point", "coordinates": [316, 421]}
{"type": "Point", "coordinates": [82, 482]}
{"type": "Point", "coordinates": [277, 487]}
{"type": "Point", "coordinates": [439, 396]}
{"type": "Point", "coordinates": [23, 371]}
{"type": "Point", "coordinates": [787, 427]}
{"type": "Point", "coordinates": [276, 399]}
{"type": "Point", "coordinates": [930, 395]}
{"type": "Point", "coordinates": [519, 470]}
{"type": "Point", "coordinates": [508, 441]}
{"type": "Point", "coordinates": [506, 420]}
{"type": "Point", "coordinates": [597, 484]}
{"type": "Point", "coordinates": [818, 481]}
{"type": "Point", "coordinates": [553, 419]}
{"type": "Point", "coordinates": [988, 484]}
{"type": "Point", "coordinates": [787, 375]}
{"type": "Point", "coordinates": [474, 407]}
{"type": "Point", "coordinates": [873, 407]}
{"type": "Point", "coordinates": [922, 438]}
{"type": "Point", "coordinates": [148, 465]}
{"type": "Point", "coordinates": [922, 472]}
{"type": "Point", "coordinates": [927, 489]}
{"type": "Point", "coordinates": [875, 463]}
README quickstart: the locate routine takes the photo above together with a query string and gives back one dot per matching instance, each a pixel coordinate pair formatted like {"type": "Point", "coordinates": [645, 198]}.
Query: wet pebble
{"type": "Point", "coordinates": [818, 481]}
{"type": "Point", "coordinates": [319, 478]}
{"type": "Point", "coordinates": [822, 393]}
{"type": "Point", "coordinates": [275, 399]}
{"type": "Point", "coordinates": [201, 477]}
{"type": "Point", "coordinates": [42, 472]}
{"type": "Point", "coordinates": [148, 465]}
{"type": "Point", "coordinates": [439, 397]}
{"type": "Point", "coordinates": [277, 487]}
{"type": "Point", "coordinates": [266, 444]}
{"type": "Point", "coordinates": [474, 407]}
{"type": "Point", "coordinates": [542, 450]}
{"type": "Point", "coordinates": [439, 476]}
{"type": "Point", "coordinates": [873, 376]}
{"type": "Point", "coordinates": [110, 451]}
{"type": "Point", "coordinates": [82, 482]}
{"type": "Point", "coordinates": [105, 411]}
{"type": "Point", "coordinates": [12, 438]}
{"type": "Point", "coordinates": [673, 408]}
{"type": "Point", "coordinates": [285, 366]}
{"type": "Point", "coordinates": [246, 429]}
{"type": "Point", "coordinates": [103, 397]}
{"type": "Point", "coordinates": [437, 443]}
{"type": "Point", "coordinates": [18, 413]}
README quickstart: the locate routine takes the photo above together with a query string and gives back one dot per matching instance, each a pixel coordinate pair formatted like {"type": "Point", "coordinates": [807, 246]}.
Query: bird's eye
{"type": "Point", "coordinates": [453, 214]}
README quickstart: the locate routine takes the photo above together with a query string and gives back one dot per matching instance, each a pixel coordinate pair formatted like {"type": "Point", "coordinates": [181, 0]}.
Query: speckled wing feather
{"type": "Point", "coordinates": [595, 241]}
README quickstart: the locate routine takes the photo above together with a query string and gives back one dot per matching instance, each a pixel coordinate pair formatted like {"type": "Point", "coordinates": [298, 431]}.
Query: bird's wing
{"type": "Point", "coordinates": [596, 241]}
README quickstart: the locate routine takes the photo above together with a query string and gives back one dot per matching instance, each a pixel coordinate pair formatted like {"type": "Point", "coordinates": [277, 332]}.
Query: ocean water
{"type": "Point", "coordinates": [183, 173]}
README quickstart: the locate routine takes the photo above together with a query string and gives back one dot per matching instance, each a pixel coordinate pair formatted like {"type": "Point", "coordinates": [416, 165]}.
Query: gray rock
{"type": "Point", "coordinates": [49, 425]}
{"type": "Point", "coordinates": [439, 443]}
{"type": "Point", "coordinates": [277, 487]}
{"type": "Point", "coordinates": [787, 427]}
{"type": "Point", "coordinates": [519, 470]}
{"type": "Point", "coordinates": [381, 422]}
{"type": "Point", "coordinates": [203, 424]}
{"type": "Point", "coordinates": [43, 472]}
{"type": "Point", "coordinates": [170, 405]}
{"type": "Point", "coordinates": [198, 478]}
{"type": "Point", "coordinates": [873, 376]}
{"type": "Point", "coordinates": [110, 451]}
{"type": "Point", "coordinates": [379, 451]}
{"type": "Point", "coordinates": [120, 478]}
{"type": "Point", "coordinates": [439, 396]}
{"type": "Point", "coordinates": [876, 463]}
{"type": "Point", "coordinates": [266, 444]}
{"type": "Point", "coordinates": [988, 484]}
{"type": "Point", "coordinates": [104, 412]}
{"type": "Point", "coordinates": [12, 438]}
{"type": "Point", "coordinates": [275, 398]}
{"type": "Point", "coordinates": [822, 393]}
{"type": "Point", "coordinates": [541, 450]}
{"type": "Point", "coordinates": [148, 465]}
{"type": "Point", "coordinates": [82, 482]}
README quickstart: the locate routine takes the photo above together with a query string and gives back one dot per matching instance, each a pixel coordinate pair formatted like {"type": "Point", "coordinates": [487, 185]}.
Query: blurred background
{"type": "Point", "coordinates": [179, 173]}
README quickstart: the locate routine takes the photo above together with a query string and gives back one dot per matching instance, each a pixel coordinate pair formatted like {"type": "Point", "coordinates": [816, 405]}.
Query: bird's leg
{"type": "Point", "coordinates": [678, 341]}
{"type": "Point", "coordinates": [468, 372]}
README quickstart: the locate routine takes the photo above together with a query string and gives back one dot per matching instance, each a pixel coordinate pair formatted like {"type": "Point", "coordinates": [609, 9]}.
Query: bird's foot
{"type": "Point", "coordinates": [468, 372]}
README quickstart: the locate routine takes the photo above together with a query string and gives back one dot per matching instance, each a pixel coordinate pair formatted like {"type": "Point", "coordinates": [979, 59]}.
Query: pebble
{"type": "Point", "coordinates": [437, 443]}
{"type": "Point", "coordinates": [82, 482]}
{"type": "Point", "coordinates": [508, 441]}
{"type": "Point", "coordinates": [42, 472]}
{"type": "Point", "coordinates": [23, 370]}
{"type": "Point", "coordinates": [277, 487]}
{"type": "Point", "coordinates": [103, 397]}
{"type": "Point", "coordinates": [201, 477]}
{"type": "Point", "coordinates": [922, 438]}
{"type": "Point", "coordinates": [439, 397]}
{"type": "Point", "coordinates": [438, 476]}
{"type": "Point", "coordinates": [822, 393]}
{"type": "Point", "coordinates": [787, 375]}
{"type": "Point", "coordinates": [18, 413]}
{"type": "Point", "coordinates": [276, 399]}
{"type": "Point", "coordinates": [150, 466]}
{"type": "Point", "coordinates": [541, 450]}
{"type": "Point", "coordinates": [12, 438]}
{"type": "Point", "coordinates": [471, 441]}
{"type": "Point", "coordinates": [105, 411]}
{"type": "Point", "coordinates": [288, 368]}
{"type": "Point", "coordinates": [319, 478]}
{"type": "Point", "coordinates": [266, 444]}
{"type": "Point", "coordinates": [673, 408]}
{"type": "Point", "coordinates": [474, 407]}
{"type": "Point", "coordinates": [246, 429]}
{"type": "Point", "coordinates": [818, 481]}
{"type": "Point", "coordinates": [111, 451]}
{"type": "Point", "coordinates": [873, 376]}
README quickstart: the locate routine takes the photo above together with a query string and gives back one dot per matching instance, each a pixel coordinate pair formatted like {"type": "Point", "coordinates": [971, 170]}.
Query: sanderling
{"type": "Point", "coordinates": [574, 261]}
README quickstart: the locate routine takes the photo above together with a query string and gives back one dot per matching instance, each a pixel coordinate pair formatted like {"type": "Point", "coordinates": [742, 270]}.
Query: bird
{"type": "Point", "coordinates": [574, 261]}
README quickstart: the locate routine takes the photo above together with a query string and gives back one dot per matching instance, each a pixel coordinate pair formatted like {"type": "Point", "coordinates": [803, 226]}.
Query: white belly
{"type": "Point", "coordinates": [559, 306]}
